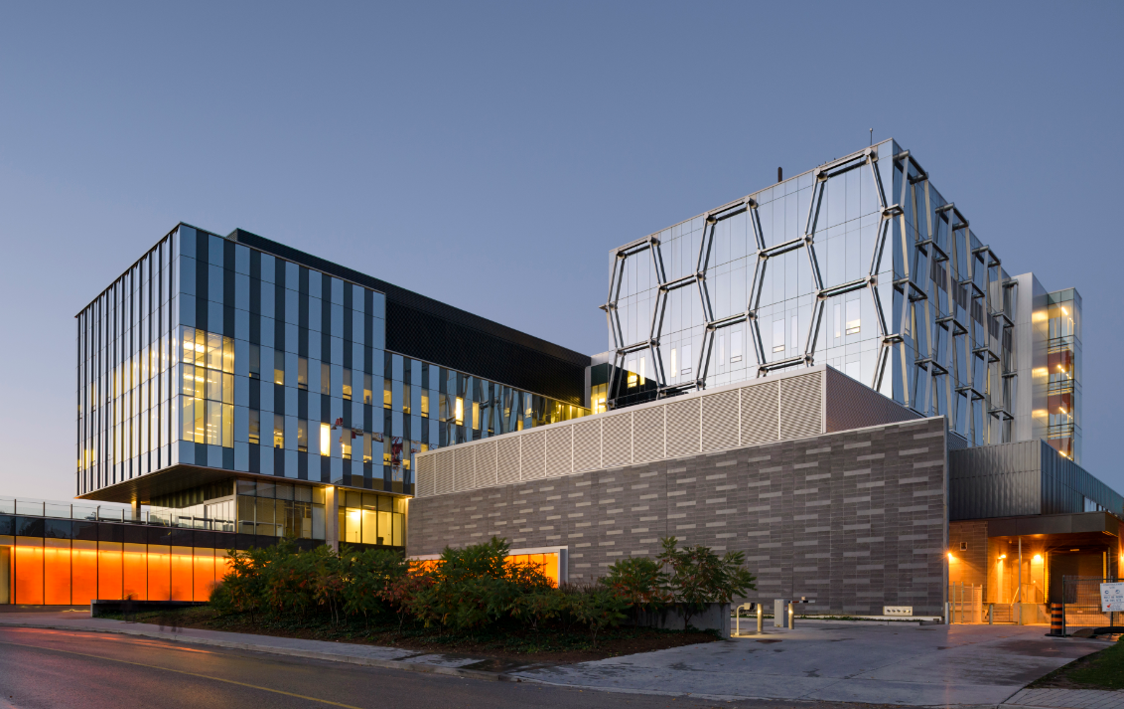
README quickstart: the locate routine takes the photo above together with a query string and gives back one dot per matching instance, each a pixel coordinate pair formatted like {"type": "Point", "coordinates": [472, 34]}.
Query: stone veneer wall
{"type": "Point", "coordinates": [853, 520]}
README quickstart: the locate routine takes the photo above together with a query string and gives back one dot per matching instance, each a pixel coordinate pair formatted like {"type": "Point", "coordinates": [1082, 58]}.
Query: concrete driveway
{"type": "Point", "coordinates": [935, 665]}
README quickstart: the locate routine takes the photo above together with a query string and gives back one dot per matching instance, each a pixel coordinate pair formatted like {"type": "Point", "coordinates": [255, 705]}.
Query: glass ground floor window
{"type": "Point", "coordinates": [367, 518]}
{"type": "Point", "coordinates": [44, 571]}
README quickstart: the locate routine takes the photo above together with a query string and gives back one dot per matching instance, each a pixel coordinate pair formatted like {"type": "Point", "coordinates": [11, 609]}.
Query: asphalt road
{"type": "Point", "coordinates": [48, 669]}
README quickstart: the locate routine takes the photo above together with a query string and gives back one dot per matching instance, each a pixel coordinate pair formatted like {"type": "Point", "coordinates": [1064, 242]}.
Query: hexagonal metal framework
{"type": "Point", "coordinates": [907, 284]}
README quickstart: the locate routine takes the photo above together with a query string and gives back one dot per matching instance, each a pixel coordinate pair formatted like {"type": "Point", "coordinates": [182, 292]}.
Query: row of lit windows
{"type": "Point", "coordinates": [354, 444]}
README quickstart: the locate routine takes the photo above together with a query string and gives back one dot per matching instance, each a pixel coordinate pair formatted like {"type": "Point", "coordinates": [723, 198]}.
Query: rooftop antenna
{"type": "Point", "coordinates": [872, 137]}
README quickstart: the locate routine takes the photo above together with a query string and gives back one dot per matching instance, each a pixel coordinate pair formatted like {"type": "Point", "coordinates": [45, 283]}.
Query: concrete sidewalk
{"type": "Point", "coordinates": [935, 665]}
{"type": "Point", "coordinates": [898, 664]}
{"type": "Point", "coordinates": [371, 655]}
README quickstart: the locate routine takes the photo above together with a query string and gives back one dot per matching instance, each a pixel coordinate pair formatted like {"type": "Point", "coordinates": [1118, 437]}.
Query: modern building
{"type": "Point", "coordinates": [862, 264]}
{"type": "Point", "coordinates": [218, 367]}
{"type": "Point", "coordinates": [833, 375]}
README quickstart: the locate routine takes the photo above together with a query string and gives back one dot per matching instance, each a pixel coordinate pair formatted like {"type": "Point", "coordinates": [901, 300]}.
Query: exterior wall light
{"type": "Point", "coordinates": [1037, 559]}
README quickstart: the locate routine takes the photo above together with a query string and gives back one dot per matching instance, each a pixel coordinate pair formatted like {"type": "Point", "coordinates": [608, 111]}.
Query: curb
{"type": "Point", "coordinates": [290, 652]}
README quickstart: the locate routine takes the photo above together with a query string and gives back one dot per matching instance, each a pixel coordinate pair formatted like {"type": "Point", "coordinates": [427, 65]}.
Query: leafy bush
{"type": "Point", "coordinates": [595, 606]}
{"type": "Point", "coordinates": [641, 582]}
{"type": "Point", "coordinates": [700, 577]}
{"type": "Point", "coordinates": [465, 589]}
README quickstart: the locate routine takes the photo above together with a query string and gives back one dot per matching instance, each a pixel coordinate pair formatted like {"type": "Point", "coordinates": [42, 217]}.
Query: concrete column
{"type": "Point", "coordinates": [332, 517]}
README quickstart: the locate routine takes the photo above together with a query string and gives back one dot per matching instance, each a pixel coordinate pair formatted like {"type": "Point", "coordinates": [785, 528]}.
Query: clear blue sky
{"type": "Point", "coordinates": [490, 154]}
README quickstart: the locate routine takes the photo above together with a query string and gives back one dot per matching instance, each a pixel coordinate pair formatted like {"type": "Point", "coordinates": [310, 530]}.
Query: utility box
{"type": "Point", "coordinates": [780, 612]}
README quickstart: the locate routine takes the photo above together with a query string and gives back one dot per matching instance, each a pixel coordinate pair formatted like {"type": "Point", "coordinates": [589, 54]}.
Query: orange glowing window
{"type": "Point", "coordinates": [135, 572]}
{"type": "Point", "coordinates": [28, 564]}
{"type": "Point", "coordinates": [56, 572]}
{"type": "Point", "coordinates": [159, 572]}
{"type": "Point", "coordinates": [547, 563]}
{"type": "Point", "coordinates": [203, 573]}
{"type": "Point", "coordinates": [222, 565]}
{"type": "Point", "coordinates": [181, 563]}
{"type": "Point", "coordinates": [109, 570]}
{"type": "Point", "coordinates": [83, 572]}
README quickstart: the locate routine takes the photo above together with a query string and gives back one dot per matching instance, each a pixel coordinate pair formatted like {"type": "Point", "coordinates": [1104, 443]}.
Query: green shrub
{"type": "Point", "coordinates": [595, 606]}
{"type": "Point", "coordinates": [700, 577]}
{"type": "Point", "coordinates": [466, 589]}
{"type": "Point", "coordinates": [474, 586]}
{"type": "Point", "coordinates": [368, 575]}
{"type": "Point", "coordinates": [641, 582]}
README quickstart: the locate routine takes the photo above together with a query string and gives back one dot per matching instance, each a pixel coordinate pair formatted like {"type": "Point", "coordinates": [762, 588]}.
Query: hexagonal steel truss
{"type": "Point", "coordinates": [925, 250]}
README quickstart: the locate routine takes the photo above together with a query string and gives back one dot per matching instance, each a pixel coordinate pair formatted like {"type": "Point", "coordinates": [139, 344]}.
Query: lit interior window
{"type": "Point", "coordinates": [325, 440]}
{"type": "Point", "coordinates": [459, 413]}
{"type": "Point", "coordinates": [853, 319]}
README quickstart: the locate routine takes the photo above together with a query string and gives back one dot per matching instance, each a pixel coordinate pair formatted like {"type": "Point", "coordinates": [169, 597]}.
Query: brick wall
{"type": "Point", "coordinates": [853, 520]}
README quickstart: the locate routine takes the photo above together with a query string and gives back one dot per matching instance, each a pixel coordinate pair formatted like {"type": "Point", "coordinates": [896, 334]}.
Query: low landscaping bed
{"type": "Point", "coordinates": [504, 642]}
{"type": "Point", "coordinates": [473, 601]}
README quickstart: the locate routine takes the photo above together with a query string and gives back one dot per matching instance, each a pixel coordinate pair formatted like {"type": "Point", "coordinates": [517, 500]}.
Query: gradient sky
{"type": "Point", "coordinates": [490, 154]}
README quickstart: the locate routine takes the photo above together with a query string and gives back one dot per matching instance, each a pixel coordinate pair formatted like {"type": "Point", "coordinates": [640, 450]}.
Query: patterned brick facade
{"type": "Point", "coordinates": [853, 520]}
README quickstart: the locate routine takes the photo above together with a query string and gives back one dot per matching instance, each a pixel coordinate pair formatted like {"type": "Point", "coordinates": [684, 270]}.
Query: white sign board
{"type": "Point", "coordinates": [1112, 597]}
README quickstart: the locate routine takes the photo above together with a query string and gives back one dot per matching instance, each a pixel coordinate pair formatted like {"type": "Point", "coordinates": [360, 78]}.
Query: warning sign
{"type": "Point", "coordinates": [1112, 597]}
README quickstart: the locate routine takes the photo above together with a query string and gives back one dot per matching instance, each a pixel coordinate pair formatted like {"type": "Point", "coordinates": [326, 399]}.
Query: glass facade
{"type": "Point", "coordinates": [368, 518]}
{"type": "Point", "coordinates": [1063, 353]}
{"type": "Point", "coordinates": [212, 353]}
{"type": "Point", "coordinates": [861, 264]}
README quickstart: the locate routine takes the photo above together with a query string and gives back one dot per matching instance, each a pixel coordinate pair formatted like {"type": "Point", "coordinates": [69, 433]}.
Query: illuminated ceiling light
{"type": "Point", "coordinates": [1075, 550]}
{"type": "Point", "coordinates": [1037, 558]}
{"type": "Point", "coordinates": [951, 557]}
{"type": "Point", "coordinates": [1002, 556]}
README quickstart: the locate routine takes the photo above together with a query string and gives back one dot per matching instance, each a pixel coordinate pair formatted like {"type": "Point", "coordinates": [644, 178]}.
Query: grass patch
{"type": "Point", "coordinates": [1100, 670]}
{"type": "Point", "coordinates": [503, 641]}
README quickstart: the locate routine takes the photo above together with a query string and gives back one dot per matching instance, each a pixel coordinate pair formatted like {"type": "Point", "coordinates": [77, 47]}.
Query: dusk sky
{"type": "Point", "coordinates": [489, 155]}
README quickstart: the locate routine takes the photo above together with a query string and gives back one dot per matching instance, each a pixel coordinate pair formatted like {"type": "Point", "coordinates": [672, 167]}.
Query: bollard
{"type": "Point", "coordinates": [791, 616]}
{"type": "Point", "coordinates": [760, 619]}
{"type": "Point", "coordinates": [1057, 628]}
{"type": "Point", "coordinates": [991, 614]}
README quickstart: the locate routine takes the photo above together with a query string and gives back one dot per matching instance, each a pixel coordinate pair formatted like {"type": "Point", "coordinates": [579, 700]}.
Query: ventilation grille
{"type": "Point", "coordinates": [486, 464]}
{"type": "Point", "coordinates": [425, 476]}
{"type": "Point", "coordinates": [682, 428]}
{"type": "Point", "coordinates": [720, 421]}
{"type": "Point", "coordinates": [800, 406]}
{"type": "Point", "coordinates": [444, 472]}
{"type": "Point", "coordinates": [759, 414]}
{"type": "Point", "coordinates": [534, 456]}
{"type": "Point", "coordinates": [647, 434]}
{"type": "Point", "coordinates": [616, 441]}
{"type": "Point", "coordinates": [559, 451]}
{"type": "Point", "coordinates": [464, 472]}
{"type": "Point", "coordinates": [508, 462]}
{"type": "Point", "coordinates": [587, 445]}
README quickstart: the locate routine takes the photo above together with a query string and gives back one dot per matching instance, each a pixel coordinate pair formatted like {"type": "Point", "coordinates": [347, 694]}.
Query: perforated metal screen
{"type": "Point", "coordinates": [780, 408]}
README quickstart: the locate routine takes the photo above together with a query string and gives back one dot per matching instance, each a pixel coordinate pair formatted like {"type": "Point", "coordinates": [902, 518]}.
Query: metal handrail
{"type": "Point", "coordinates": [156, 516]}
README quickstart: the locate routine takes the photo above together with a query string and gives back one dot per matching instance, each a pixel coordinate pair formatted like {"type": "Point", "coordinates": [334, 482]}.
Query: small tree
{"type": "Point", "coordinates": [640, 581]}
{"type": "Point", "coordinates": [468, 587]}
{"type": "Point", "coordinates": [594, 606]}
{"type": "Point", "coordinates": [700, 577]}
{"type": "Point", "coordinates": [369, 574]}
